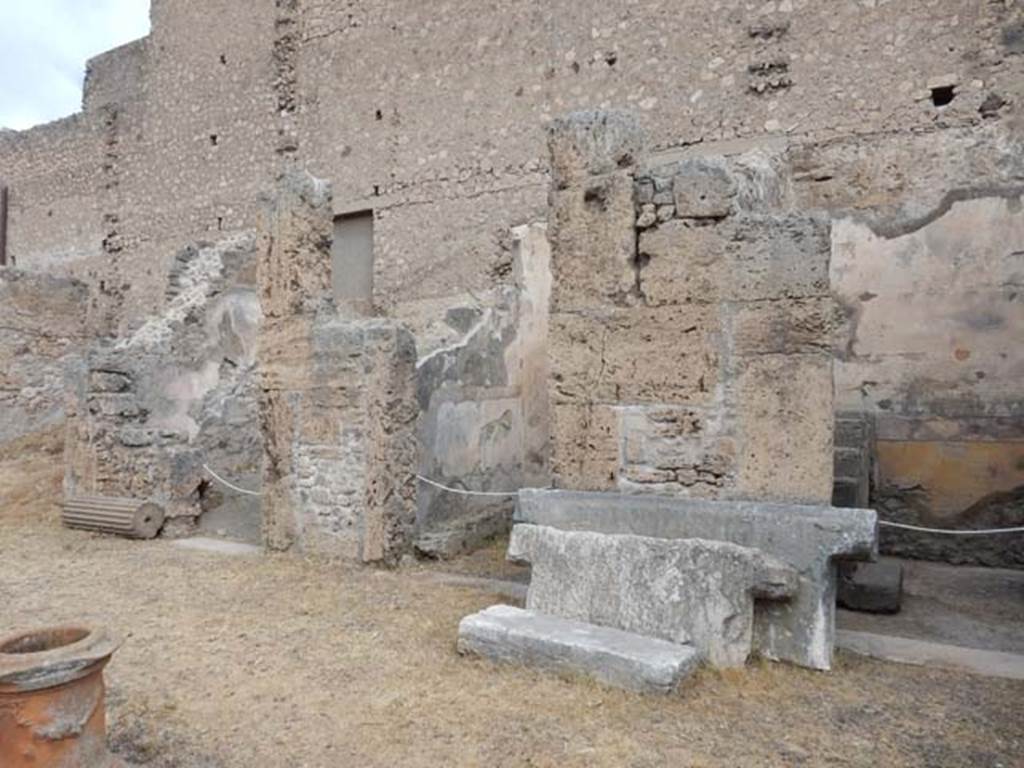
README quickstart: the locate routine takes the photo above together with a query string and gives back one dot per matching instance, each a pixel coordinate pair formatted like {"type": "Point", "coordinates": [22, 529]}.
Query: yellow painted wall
{"type": "Point", "coordinates": [953, 475]}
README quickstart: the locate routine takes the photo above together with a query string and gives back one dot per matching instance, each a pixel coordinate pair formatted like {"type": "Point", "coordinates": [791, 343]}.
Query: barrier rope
{"type": "Point", "coordinates": [232, 486]}
{"type": "Point", "coordinates": [421, 478]}
{"type": "Point", "coordinates": [510, 494]}
{"type": "Point", "coordinates": [462, 491]}
{"type": "Point", "coordinates": [950, 531]}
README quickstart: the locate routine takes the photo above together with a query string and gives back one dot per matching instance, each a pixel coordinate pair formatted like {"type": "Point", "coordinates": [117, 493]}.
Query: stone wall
{"type": "Point", "coordinates": [932, 350]}
{"type": "Point", "coordinates": [173, 147]}
{"type": "Point", "coordinates": [880, 113]}
{"type": "Point", "coordinates": [149, 410]}
{"type": "Point", "coordinates": [690, 340]}
{"type": "Point", "coordinates": [41, 336]}
{"type": "Point", "coordinates": [337, 405]}
{"type": "Point", "coordinates": [54, 219]}
{"type": "Point", "coordinates": [434, 118]}
{"type": "Point", "coordinates": [484, 423]}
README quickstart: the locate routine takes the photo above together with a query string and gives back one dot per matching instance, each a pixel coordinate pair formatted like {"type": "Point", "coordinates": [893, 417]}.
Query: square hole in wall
{"type": "Point", "coordinates": [352, 257]}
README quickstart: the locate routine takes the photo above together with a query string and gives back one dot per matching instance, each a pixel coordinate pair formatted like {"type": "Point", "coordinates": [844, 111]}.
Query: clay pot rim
{"type": "Point", "coordinates": [21, 672]}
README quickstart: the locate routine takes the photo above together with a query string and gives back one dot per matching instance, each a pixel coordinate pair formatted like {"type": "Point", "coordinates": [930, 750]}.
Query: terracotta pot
{"type": "Point", "coordinates": [52, 710]}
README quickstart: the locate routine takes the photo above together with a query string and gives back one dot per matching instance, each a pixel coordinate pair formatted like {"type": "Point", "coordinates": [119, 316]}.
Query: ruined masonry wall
{"type": "Point", "coordinates": [54, 219]}
{"type": "Point", "coordinates": [484, 405]}
{"type": "Point", "coordinates": [932, 351]}
{"type": "Point", "coordinates": [434, 116]}
{"type": "Point", "coordinates": [690, 340]}
{"type": "Point", "coordinates": [147, 411]}
{"type": "Point", "coordinates": [41, 336]}
{"type": "Point", "coordinates": [337, 406]}
{"type": "Point", "coordinates": [174, 146]}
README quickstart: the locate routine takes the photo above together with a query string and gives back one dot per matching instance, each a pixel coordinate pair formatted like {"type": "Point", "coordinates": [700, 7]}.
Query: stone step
{"type": "Point", "coordinates": [455, 537]}
{"type": "Point", "coordinates": [871, 587]}
{"type": "Point", "coordinates": [710, 603]}
{"type": "Point", "coordinates": [851, 432]}
{"type": "Point", "coordinates": [850, 462]}
{"type": "Point", "coordinates": [850, 492]}
{"type": "Point", "coordinates": [620, 659]}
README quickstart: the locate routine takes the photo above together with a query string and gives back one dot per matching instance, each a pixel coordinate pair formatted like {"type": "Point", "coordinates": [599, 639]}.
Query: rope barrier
{"type": "Point", "coordinates": [950, 531]}
{"type": "Point", "coordinates": [421, 478]}
{"type": "Point", "coordinates": [510, 494]}
{"type": "Point", "coordinates": [232, 486]}
{"type": "Point", "coordinates": [464, 492]}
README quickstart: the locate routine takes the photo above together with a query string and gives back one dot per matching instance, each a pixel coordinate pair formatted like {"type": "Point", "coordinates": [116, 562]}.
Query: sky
{"type": "Point", "coordinates": [44, 45]}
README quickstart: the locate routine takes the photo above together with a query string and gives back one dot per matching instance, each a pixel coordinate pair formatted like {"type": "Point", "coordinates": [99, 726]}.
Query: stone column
{"type": "Point", "coordinates": [338, 408]}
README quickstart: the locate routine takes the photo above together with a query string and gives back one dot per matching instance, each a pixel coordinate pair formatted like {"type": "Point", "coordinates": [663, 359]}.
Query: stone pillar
{"type": "Point", "coordinates": [338, 408]}
{"type": "Point", "coordinates": [593, 266]}
{"type": "Point", "coordinates": [691, 324]}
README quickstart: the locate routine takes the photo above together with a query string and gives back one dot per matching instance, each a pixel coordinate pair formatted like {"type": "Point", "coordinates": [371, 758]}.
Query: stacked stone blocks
{"type": "Point", "coordinates": [338, 408]}
{"type": "Point", "coordinates": [690, 327]}
{"type": "Point", "coordinates": [687, 591]}
{"type": "Point", "coordinates": [811, 539]}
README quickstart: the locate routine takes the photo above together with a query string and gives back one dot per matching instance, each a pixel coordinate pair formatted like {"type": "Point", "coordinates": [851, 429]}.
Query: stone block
{"type": "Point", "coordinates": [871, 587]}
{"type": "Point", "coordinates": [853, 431]}
{"type": "Point", "coordinates": [745, 258]}
{"type": "Point", "coordinates": [850, 462]}
{"type": "Point", "coordinates": [592, 212]}
{"type": "Point", "coordinates": [675, 449]}
{"type": "Point", "coordinates": [722, 309]}
{"type": "Point", "coordinates": [809, 538]}
{"type": "Point", "coordinates": [593, 228]}
{"type": "Point", "coordinates": [786, 327]}
{"type": "Point", "coordinates": [703, 189]}
{"type": "Point", "coordinates": [680, 590]}
{"type": "Point", "coordinates": [610, 656]}
{"type": "Point", "coordinates": [683, 263]}
{"type": "Point", "coordinates": [466, 533]}
{"type": "Point", "coordinates": [296, 229]}
{"type": "Point", "coordinates": [850, 492]}
{"type": "Point", "coordinates": [109, 381]}
{"type": "Point", "coordinates": [773, 257]}
{"type": "Point", "coordinates": [645, 192]}
{"type": "Point", "coordinates": [590, 143]}
{"type": "Point", "coordinates": [784, 404]}
{"type": "Point", "coordinates": [585, 446]}
{"type": "Point", "coordinates": [635, 355]}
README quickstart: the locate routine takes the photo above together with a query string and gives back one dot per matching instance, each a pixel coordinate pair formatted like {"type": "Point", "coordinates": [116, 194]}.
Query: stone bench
{"type": "Point", "coordinates": [809, 538]}
{"type": "Point", "coordinates": [680, 590]}
{"type": "Point", "coordinates": [610, 656]}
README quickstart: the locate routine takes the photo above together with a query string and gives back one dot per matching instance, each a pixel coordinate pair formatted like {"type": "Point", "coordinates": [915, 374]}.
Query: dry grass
{"type": "Point", "coordinates": [280, 661]}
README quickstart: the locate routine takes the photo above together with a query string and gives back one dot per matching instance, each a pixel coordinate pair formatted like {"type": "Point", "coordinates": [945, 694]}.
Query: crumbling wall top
{"type": "Point", "coordinates": [295, 241]}
{"type": "Point", "coordinates": [593, 142]}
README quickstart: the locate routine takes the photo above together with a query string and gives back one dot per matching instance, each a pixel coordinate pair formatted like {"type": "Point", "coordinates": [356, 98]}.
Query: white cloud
{"type": "Point", "coordinates": [44, 45]}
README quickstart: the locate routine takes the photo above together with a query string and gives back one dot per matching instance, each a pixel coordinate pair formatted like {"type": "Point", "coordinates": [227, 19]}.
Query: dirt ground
{"type": "Point", "coordinates": [266, 661]}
